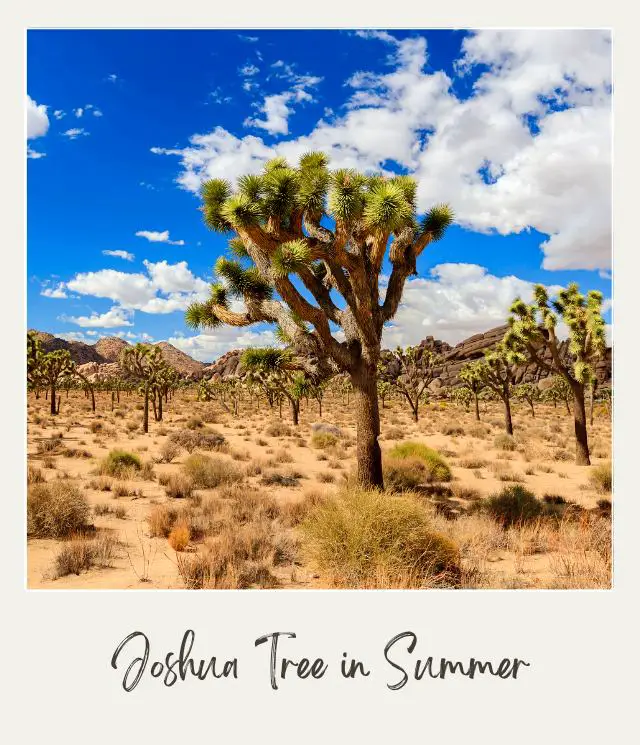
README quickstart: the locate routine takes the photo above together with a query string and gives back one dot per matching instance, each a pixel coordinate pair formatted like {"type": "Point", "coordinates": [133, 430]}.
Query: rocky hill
{"type": "Point", "coordinates": [99, 360]}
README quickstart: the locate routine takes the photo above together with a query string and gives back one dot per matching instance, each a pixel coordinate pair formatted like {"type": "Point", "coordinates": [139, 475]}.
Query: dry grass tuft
{"type": "Point", "coordinates": [56, 510]}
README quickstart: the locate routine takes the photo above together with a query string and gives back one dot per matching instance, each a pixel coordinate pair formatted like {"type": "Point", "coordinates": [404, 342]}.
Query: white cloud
{"type": "Point", "coordinates": [35, 154]}
{"type": "Point", "coordinates": [57, 292]}
{"type": "Point", "coordinates": [504, 158]}
{"type": "Point", "coordinates": [155, 236]}
{"type": "Point", "coordinates": [37, 119]}
{"type": "Point", "coordinates": [97, 112]}
{"type": "Point", "coordinates": [249, 39]}
{"type": "Point", "coordinates": [112, 78]}
{"type": "Point", "coordinates": [75, 132]}
{"type": "Point", "coordinates": [113, 318]}
{"type": "Point", "coordinates": [120, 254]}
{"type": "Point", "coordinates": [459, 300]}
{"type": "Point", "coordinates": [249, 70]}
{"type": "Point", "coordinates": [164, 289]}
{"type": "Point", "coordinates": [59, 114]}
{"type": "Point", "coordinates": [208, 347]}
{"type": "Point", "coordinates": [78, 112]}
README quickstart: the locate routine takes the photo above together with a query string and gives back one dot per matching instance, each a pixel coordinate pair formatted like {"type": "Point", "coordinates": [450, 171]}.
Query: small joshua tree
{"type": "Point", "coordinates": [533, 328]}
{"type": "Point", "coordinates": [410, 371]}
{"type": "Point", "coordinates": [559, 390]}
{"type": "Point", "coordinates": [284, 373]}
{"type": "Point", "coordinates": [384, 389]}
{"type": "Point", "coordinates": [281, 221]}
{"type": "Point", "coordinates": [472, 379]}
{"type": "Point", "coordinates": [528, 392]}
{"type": "Point", "coordinates": [498, 371]}
{"type": "Point", "coordinates": [462, 396]}
{"type": "Point", "coordinates": [143, 363]}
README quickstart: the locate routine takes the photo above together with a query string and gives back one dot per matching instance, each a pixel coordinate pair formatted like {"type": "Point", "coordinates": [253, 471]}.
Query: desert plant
{"type": "Point", "coordinates": [410, 371]}
{"type": "Point", "coordinates": [533, 329]}
{"type": "Point", "coordinates": [472, 379]}
{"type": "Point", "coordinates": [365, 538]}
{"type": "Point", "coordinates": [437, 467]}
{"type": "Point", "coordinates": [513, 505]}
{"type": "Point", "coordinates": [498, 370]}
{"type": "Point", "coordinates": [277, 219]}
{"type": "Point", "coordinates": [56, 510]}
{"type": "Point", "coordinates": [601, 477]}
{"type": "Point", "coordinates": [143, 363]}
{"type": "Point", "coordinates": [119, 463]}
{"type": "Point", "coordinates": [528, 392]}
{"type": "Point", "coordinates": [207, 471]}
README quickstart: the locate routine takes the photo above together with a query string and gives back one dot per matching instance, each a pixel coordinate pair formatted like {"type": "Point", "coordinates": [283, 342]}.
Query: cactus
{"type": "Point", "coordinates": [279, 221]}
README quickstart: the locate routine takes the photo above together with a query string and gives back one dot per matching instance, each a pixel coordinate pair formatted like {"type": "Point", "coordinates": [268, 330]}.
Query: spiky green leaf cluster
{"type": "Point", "coordinates": [437, 220]}
{"type": "Point", "coordinates": [290, 257]}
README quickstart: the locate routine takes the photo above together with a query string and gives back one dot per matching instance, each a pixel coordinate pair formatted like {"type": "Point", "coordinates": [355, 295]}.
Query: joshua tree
{"type": "Point", "coordinates": [498, 371]}
{"type": "Point", "coordinates": [283, 371]}
{"type": "Point", "coordinates": [51, 370]}
{"type": "Point", "coordinates": [143, 363]}
{"type": "Point", "coordinates": [533, 328]}
{"type": "Point", "coordinates": [410, 371]}
{"type": "Point", "coordinates": [559, 390]}
{"type": "Point", "coordinates": [528, 392]}
{"type": "Point", "coordinates": [166, 380]}
{"type": "Point", "coordinates": [280, 220]}
{"type": "Point", "coordinates": [462, 396]}
{"type": "Point", "coordinates": [384, 388]}
{"type": "Point", "coordinates": [472, 379]}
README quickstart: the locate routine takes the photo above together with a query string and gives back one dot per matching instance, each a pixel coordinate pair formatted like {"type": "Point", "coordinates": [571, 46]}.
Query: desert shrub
{"type": "Point", "coordinates": [563, 455]}
{"type": "Point", "coordinates": [96, 427]}
{"type": "Point", "coordinates": [371, 539]}
{"type": "Point", "coordinates": [394, 433]}
{"type": "Point", "coordinates": [119, 463]}
{"type": "Point", "coordinates": [404, 474]}
{"type": "Point", "coordinates": [161, 520]}
{"type": "Point", "coordinates": [179, 537]}
{"type": "Point", "coordinates": [194, 423]}
{"type": "Point", "coordinates": [208, 471]}
{"type": "Point", "coordinates": [179, 486]}
{"type": "Point", "coordinates": [82, 554]}
{"type": "Point", "coordinates": [479, 431]}
{"type": "Point", "coordinates": [504, 441]}
{"type": "Point", "coordinates": [250, 506]}
{"type": "Point", "coordinates": [49, 445]}
{"type": "Point", "coordinates": [601, 477]}
{"type": "Point", "coordinates": [512, 506]}
{"type": "Point", "coordinates": [323, 439]}
{"type": "Point", "coordinates": [169, 451]}
{"type": "Point", "coordinates": [34, 475]}
{"type": "Point", "coordinates": [473, 463]}
{"type": "Point", "coordinates": [191, 440]}
{"type": "Point", "coordinates": [56, 510]}
{"type": "Point", "coordinates": [326, 478]}
{"type": "Point", "coordinates": [437, 466]}
{"type": "Point", "coordinates": [323, 428]}
{"type": "Point", "coordinates": [452, 430]}
{"type": "Point", "coordinates": [280, 479]}
{"type": "Point", "coordinates": [604, 506]}
{"type": "Point", "coordinates": [277, 428]}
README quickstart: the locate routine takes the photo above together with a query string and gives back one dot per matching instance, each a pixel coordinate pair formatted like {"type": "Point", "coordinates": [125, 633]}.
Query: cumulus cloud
{"type": "Point", "coordinates": [37, 119]}
{"type": "Point", "coordinates": [57, 292]}
{"type": "Point", "coordinates": [114, 317]}
{"type": "Point", "coordinates": [120, 254]}
{"type": "Point", "coordinates": [529, 148]}
{"type": "Point", "coordinates": [459, 300]}
{"type": "Point", "coordinates": [164, 289]}
{"type": "Point", "coordinates": [208, 347]}
{"type": "Point", "coordinates": [155, 236]}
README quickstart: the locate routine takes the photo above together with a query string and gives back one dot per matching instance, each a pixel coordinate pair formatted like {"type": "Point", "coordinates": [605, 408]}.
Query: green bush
{"type": "Point", "coordinates": [513, 505]}
{"type": "Point", "coordinates": [323, 439]}
{"type": "Point", "coordinates": [404, 474]}
{"type": "Point", "coordinates": [120, 463]}
{"type": "Point", "coordinates": [373, 539]}
{"type": "Point", "coordinates": [437, 467]}
{"type": "Point", "coordinates": [56, 510]}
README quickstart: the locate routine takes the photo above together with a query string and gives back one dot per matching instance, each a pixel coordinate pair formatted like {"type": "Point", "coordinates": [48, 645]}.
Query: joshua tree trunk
{"type": "Point", "coordinates": [533, 413]}
{"type": "Point", "coordinates": [53, 399]}
{"type": "Point", "coordinates": [145, 418]}
{"type": "Point", "coordinates": [320, 408]}
{"type": "Point", "coordinates": [591, 398]}
{"type": "Point", "coordinates": [475, 400]}
{"type": "Point", "coordinates": [368, 428]}
{"type": "Point", "coordinates": [160, 408]}
{"type": "Point", "coordinates": [295, 410]}
{"type": "Point", "coordinates": [580, 422]}
{"type": "Point", "coordinates": [508, 424]}
{"type": "Point", "coordinates": [155, 408]}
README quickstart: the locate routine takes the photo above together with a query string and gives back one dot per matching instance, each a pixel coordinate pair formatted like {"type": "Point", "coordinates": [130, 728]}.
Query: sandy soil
{"type": "Point", "coordinates": [542, 462]}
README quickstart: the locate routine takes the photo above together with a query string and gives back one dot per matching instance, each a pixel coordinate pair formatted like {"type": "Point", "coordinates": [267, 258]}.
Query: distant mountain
{"type": "Point", "coordinates": [107, 351]}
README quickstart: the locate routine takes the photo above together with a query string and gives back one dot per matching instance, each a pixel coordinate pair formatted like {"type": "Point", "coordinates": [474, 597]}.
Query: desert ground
{"type": "Point", "coordinates": [209, 500]}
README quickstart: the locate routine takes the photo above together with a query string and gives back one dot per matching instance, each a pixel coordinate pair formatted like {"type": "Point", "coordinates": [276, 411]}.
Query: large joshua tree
{"type": "Point", "coordinates": [533, 329]}
{"type": "Point", "coordinates": [317, 241]}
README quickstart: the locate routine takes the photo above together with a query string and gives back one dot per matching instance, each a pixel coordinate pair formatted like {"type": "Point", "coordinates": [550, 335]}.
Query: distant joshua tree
{"type": "Point", "coordinates": [472, 378]}
{"type": "Point", "coordinates": [498, 371]}
{"type": "Point", "coordinates": [528, 392]}
{"type": "Point", "coordinates": [410, 371]}
{"type": "Point", "coordinates": [143, 363]}
{"type": "Point", "coordinates": [327, 232]}
{"type": "Point", "coordinates": [533, 328]}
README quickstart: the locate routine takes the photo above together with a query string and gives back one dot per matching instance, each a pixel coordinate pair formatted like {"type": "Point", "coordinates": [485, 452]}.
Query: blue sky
{"type": "Point", "coordinates": [511, 128]}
